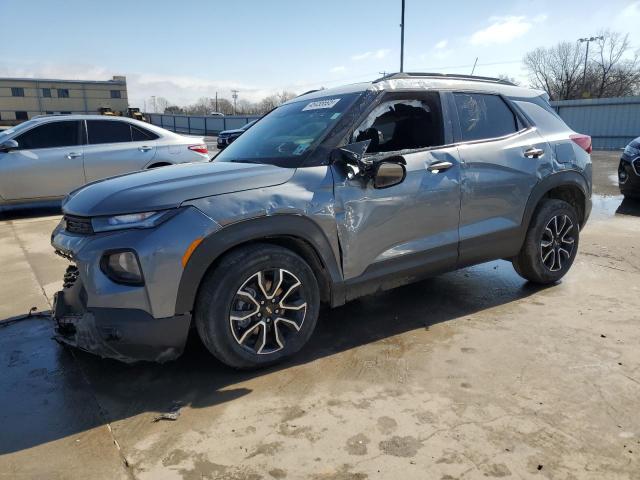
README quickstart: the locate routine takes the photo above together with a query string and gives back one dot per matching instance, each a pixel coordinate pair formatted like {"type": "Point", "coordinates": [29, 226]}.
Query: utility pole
{"type": "Point", "coordinates": [402, 39]}
{"type": "Point", "coordinates": [234, 95]}
{"type": "Point", "coordinates": [586, 57]}
{"type": "Point", "coordinates": [217, 102]}
{"type": "Point", "coordinates": [155, 110]}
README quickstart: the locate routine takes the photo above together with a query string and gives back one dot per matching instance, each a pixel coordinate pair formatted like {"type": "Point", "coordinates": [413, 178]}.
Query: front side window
{"type": "Point", "coordinates": [108, 131]}
{"type": "Point", "coordinates": [63, 93]}
{"type": "Point", "coordinates": [484, 116]}
{"type": "Point", "coordinates": [115, 94]}
{"type": "Point", "coordinates": [46, 92]}
{"type": "Point", "coordinates": [286, 136]}
{"type": "Point", "coordinates": [50, 135]}
{"type": "Point", "coordinates": [409, 121]}
{"type": "Point", "coordinates": [17, 92]}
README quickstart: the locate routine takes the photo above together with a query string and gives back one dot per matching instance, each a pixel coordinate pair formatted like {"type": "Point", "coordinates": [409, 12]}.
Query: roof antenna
{"type": "Point", "coordinates": [474, 66]}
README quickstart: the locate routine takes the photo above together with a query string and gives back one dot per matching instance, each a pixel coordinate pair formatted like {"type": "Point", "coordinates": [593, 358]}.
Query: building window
{"type": "Point", "coordinates": [115, 94]}
{"type": "Point", "coordinates": [17, 92]}
{"type": "Point", "coordinates": [46, 92]}
{"type": "Point", "coordinates": [63, 93]}
{"type": "Point", "coordinates": [22, 116]}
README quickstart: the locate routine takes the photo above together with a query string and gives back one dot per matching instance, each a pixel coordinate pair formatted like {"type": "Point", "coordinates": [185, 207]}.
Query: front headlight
{"type": "Point", "coordinates": [632, 150]}
{"type": "Point", "coordinates": [132, 220]}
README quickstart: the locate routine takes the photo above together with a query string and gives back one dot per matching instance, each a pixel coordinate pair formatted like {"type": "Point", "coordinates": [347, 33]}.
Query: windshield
{"type": "Point", "coordinates": [17, 128]}
{"type": "Point", "coordinates": [246, 127]}
{"type": "Point", "coordinates": [287, 136]}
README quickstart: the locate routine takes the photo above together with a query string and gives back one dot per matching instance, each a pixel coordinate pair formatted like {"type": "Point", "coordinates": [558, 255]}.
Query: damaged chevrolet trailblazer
{"type": "Point", "coordinates": [336, 194]}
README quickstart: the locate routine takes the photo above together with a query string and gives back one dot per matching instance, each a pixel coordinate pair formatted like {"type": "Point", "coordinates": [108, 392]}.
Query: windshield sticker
{"type": "Point", "coordinates": [321, 104]}
{"type": "Point", "coordinates": [300, 149]}
{"type": "Point", "coordinates": [335, 115]}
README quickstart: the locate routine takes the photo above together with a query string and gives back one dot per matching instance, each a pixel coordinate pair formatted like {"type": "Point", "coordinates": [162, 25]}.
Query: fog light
{"type": "Point", "coordinates": [122, 267]}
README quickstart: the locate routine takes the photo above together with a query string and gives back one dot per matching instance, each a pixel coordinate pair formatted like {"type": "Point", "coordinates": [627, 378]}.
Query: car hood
{"type": "Point", "coordinates": [168, 187]}
{"type": "Point", "coordinates": [231, 132]}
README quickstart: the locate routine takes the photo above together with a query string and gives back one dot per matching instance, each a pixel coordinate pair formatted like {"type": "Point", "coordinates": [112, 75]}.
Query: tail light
{"type": "Point", "coordinates": [200, 148]}
{"type": "Point", "coordinates": [583, 141]}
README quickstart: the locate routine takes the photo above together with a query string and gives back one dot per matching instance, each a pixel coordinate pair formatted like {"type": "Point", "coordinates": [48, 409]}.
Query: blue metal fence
{"type": "Point", "coordinates": [199, 125]}
{"type": "Point", "coordinates": [611, 122]}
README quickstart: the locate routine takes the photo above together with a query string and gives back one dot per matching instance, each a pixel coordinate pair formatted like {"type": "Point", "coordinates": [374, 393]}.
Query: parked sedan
{"type": "Point", "coordinates": [226, 137]}
{"type": "Point", "coordinates": [45, 158]}
{"type": "Point", "coordinates": [629, 170]}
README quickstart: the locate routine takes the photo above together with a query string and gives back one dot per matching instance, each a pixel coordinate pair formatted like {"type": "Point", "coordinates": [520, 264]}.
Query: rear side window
{"type": "Point", "coordinates": [543, 116]}
{"type": "Point", "coordinates": [140, 134]}
{"type": "Point", "coordinates": [484, 116]}
{"type": "Point", "coordinates": [108, 131]}
{"type": "Point", "coordinates": [49, 135]}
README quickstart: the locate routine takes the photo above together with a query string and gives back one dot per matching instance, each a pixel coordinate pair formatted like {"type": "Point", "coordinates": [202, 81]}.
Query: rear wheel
{"type": "Point", "coordinates": [551, 243]}
{"type": "Point", "coordinates": [259, 306]}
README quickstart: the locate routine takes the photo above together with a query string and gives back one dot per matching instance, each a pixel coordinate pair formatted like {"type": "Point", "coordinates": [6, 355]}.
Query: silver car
{"type": "Point", "coordinates": [334, 195]}
{"type": "Point", "coordinates": [45, 158]}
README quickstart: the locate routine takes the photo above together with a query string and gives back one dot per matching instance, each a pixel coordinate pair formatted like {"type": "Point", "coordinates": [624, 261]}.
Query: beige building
{"type": "Point", "coordinates": [24, 98]}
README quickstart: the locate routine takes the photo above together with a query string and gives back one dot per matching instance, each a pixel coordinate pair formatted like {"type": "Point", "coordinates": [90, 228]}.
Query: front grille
{"type": "Point", "coordinates": [79, 225]}
{"type": "Point", "coordinates": [636, 166]}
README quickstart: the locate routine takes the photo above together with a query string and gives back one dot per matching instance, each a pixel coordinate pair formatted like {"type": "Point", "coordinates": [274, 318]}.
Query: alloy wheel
{"type": "Point", "coordinates": [557, 242]}
{"type": "Point", "coordinates": [267, 311]}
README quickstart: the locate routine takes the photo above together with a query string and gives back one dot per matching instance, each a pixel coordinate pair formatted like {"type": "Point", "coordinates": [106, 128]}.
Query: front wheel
{"type": "Point", "coordinates": [258, 306]}
{"type": "Point", "coordinates": [551, 243]}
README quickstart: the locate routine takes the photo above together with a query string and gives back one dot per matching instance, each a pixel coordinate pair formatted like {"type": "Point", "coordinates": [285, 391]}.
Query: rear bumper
{"type": "Point", "coordinates": [124, 334]}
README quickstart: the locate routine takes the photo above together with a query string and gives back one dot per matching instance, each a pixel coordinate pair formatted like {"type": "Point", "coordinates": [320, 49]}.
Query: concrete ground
{"type": "Point", "coordinates": [472, 374]}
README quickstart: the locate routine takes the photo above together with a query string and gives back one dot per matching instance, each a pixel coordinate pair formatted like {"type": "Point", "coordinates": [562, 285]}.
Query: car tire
{"type": "Point", "coordinates": [258, 306]}
{"type": "Point", "coordinates": [551, 243]}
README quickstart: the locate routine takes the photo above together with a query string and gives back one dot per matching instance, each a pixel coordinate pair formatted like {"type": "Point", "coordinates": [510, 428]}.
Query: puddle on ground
{"type": "Point", "coordinates": [610, 205]}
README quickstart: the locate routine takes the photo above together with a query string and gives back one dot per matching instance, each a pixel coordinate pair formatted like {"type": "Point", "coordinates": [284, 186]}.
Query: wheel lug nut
{"type": "Point", "coordinates": [273, 300]}
{"type": "Point", "coordinates": [259, 315]}
{"type": "Point", "coordinates": [261, 302]}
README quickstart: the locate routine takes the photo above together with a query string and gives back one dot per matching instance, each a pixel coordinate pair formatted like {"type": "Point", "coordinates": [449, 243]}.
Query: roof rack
{"type": "Point", "coordinates": [451, 76]}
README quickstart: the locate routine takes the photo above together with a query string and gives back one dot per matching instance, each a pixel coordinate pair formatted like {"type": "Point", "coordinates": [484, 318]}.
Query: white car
{"type": "Point", "coordinates": [43, 159]}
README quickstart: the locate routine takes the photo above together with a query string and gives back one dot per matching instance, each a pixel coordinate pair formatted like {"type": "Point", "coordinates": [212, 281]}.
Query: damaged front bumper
{"type": "Point", "coordinates": [123, 334]}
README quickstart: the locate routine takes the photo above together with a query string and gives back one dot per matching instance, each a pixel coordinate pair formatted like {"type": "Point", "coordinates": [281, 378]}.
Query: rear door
{"type": "Point", "coordinates": [115, 147]}
{"type": "Point", "coordinates": [47, 163]}
{"type": "Point", "coordinates": [502, 157]}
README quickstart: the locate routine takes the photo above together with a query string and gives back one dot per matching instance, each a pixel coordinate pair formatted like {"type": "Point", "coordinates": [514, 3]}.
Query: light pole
{"type": "Point", "coordinates": [402, 39]}
{"type": "Point", "coordinates": [155, 109]}
{"type": "Point", "coordinates": [235, 98]}
{"type": "Point", "coordinates": [586, 57]}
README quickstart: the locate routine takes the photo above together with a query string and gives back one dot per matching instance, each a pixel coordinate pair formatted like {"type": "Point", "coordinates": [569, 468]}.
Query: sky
{"type": "Point", "coordinates": [184, 50]}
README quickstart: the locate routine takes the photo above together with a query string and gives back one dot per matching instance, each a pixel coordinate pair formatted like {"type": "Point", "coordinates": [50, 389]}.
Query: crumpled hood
{"type": "Point", "coordinates": [168, 187]}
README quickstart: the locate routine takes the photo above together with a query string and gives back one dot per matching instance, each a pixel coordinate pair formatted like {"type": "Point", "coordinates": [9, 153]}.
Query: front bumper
{"type": "Point", "coordinates": [123, 334]}
{"type": "Point", "coordinates": [629, 177]}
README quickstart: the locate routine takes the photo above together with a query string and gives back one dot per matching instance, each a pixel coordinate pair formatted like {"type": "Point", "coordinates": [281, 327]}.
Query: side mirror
{"type": "Point", "coordinates": [8, 145]}
{"type": "Point", "coordinates": [352, 153]}
{"type": "Point", "coordinates": [389, 172]}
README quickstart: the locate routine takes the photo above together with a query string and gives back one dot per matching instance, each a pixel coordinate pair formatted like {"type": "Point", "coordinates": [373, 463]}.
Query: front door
{"type": "Point", "coordinates": [47, 163]}
{"type": "Point", "coordinates": [412, 226]}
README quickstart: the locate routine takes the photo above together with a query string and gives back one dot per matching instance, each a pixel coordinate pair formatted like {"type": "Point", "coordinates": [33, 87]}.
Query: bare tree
{"type": "Point", "coordinates": [161, 104]}
{"type": "Point", "coordinates": [615, 69]}
{"type": "Point", "coordinates": [557, 69]}
{"type": "Point", "coordinates": [612, 70]}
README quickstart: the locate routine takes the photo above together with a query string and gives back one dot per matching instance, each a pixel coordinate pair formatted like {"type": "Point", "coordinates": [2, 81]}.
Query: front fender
{"type": "Point", "coordinates": [236, 234]}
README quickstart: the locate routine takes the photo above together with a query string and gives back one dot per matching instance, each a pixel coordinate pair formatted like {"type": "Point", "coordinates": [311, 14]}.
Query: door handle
{"type": "Point", "coordinates": [72, 155]}
{"type": "Point", "coordinates": [534, 152]}
{"type": "Point", "coordinates": [439, 167]}
{"type": "Point", "coordinates": [145, 148]}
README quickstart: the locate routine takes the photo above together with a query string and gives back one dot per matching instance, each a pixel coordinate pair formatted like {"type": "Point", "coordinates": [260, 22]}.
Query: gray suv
{"type": "Point", "coordinates": [334, 195]}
